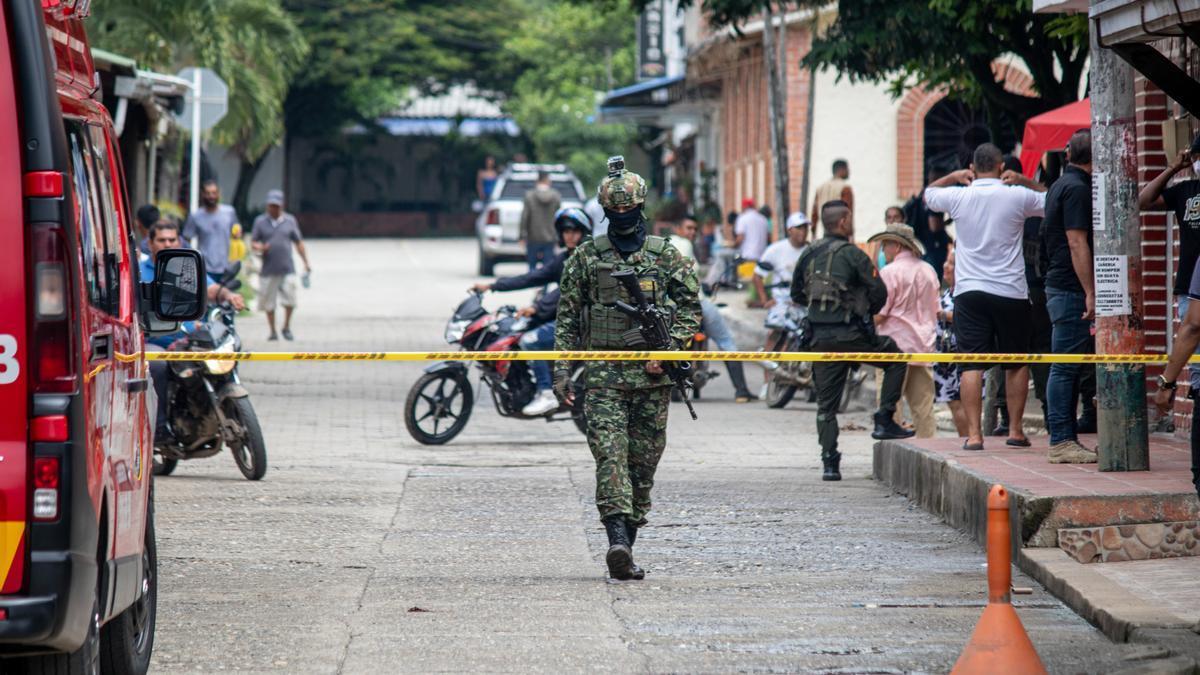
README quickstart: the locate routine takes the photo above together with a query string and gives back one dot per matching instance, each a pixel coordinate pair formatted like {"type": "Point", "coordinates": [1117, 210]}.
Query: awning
{"type": "Point", "coordinates": [1051, 131]}
{"type": "Point", "coordinates": [642, 100]}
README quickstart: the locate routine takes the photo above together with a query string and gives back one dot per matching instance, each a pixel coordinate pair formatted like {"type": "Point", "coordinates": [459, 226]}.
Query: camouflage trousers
{"type": "Point", "coordinates": [627, 431]}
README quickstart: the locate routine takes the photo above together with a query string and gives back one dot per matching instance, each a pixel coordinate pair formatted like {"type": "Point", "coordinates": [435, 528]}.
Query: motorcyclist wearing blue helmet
{"type": "Point", "coordinates": [573, 226]}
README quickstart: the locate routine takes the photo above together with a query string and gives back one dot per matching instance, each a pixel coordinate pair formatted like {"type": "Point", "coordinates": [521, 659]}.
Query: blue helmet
{"type": "Point", "coordinates": [572, 218]}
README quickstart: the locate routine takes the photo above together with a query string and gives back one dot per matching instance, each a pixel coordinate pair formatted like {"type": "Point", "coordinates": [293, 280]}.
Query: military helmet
{"type": "Point", "coordinates": [621, 189]}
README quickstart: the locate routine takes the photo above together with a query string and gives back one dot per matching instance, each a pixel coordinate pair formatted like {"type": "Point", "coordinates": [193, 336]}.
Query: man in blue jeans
{"type": "Point", "coordinates": [572, 226]}
{"type": "Point", "coordinates": [1070, 294]}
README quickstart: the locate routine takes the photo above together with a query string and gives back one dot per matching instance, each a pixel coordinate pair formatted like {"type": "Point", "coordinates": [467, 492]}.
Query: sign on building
{"type": "Point", "coordinates": [652, 53]}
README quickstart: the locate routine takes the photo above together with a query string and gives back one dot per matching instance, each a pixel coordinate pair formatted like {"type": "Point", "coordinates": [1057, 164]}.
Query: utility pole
{"type": "Point", "coordinates": [1120, 309]}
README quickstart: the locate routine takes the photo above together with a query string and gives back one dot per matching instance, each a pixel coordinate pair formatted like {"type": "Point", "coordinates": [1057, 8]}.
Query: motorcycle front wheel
{"type": "Point", "coordinates": [438, 407]}
{"type": "Point", "coordinates": [251, 453]}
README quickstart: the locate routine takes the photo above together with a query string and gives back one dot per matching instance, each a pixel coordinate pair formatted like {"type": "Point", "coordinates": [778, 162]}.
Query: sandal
{"type": "Point", "coordinates": [1017, 442]}
{"type": "Point", "coordinates": [968, 445]}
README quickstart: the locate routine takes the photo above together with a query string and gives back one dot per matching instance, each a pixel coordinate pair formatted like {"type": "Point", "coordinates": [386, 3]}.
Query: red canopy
{"type": "Point", "coordinates": [1051, 131]}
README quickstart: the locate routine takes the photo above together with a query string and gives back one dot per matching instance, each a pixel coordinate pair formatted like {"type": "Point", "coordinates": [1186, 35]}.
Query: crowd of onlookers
{"type": "Point", "coordinates": [1016, 276]}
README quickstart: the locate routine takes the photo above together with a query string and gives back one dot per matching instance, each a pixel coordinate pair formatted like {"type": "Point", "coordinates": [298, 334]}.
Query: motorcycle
{"type": "Point", "coordinates": [208, 407]}
{"type": "Point", "coordinates": [785, 378]}
{"type": "Point", "coordinates": [440, 402]}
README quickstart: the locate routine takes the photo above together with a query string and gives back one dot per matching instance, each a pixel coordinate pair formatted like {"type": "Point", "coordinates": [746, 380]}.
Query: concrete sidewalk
{"type": "Point", "coordinates": [1121, 549]}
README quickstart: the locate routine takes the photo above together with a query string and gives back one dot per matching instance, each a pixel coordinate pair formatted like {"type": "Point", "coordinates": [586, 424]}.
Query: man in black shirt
{"type": "Point", "coordinates": [1070, 294]}
{"type": "Point", "coordinates": [1184, 199]}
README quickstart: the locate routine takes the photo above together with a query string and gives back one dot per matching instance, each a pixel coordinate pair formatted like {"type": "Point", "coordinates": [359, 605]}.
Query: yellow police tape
{"type": "Point", "coordinates": [865, 357]}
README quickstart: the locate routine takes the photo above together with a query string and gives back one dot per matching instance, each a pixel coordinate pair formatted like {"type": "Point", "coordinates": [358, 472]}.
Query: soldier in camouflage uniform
{"type": "Point", "coordinates": [626, 401]}
{"type": "Point", "coordinates": [837, 282]}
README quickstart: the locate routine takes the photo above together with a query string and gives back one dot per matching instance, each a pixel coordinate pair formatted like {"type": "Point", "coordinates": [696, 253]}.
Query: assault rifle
{"type": "Point", "coordinates": [652, 324]}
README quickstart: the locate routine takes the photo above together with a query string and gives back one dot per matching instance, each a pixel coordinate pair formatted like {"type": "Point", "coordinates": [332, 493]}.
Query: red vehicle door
{"type": "Point", "coordinates": [14, 387]}
{"type": "Point", "coordinates": [126, 447]}
{"type": "Point", "coordinates": [110, 384]}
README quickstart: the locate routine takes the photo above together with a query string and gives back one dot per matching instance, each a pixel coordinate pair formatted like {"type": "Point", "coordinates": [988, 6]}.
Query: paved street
{"type": "Point", "coordinates": [362, 551]}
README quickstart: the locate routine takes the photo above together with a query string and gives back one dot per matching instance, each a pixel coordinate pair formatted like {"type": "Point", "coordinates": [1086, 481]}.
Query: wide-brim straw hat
{"type": "Point", "coordinates": [901, 234]}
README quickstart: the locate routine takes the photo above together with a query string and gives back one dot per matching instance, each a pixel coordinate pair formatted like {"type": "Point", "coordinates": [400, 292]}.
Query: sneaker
{"type": "Point", "coordinates": [273, 338]}
{"type": "Point", "coordinates": [744, 397]}
{"type": "Point", "coordinates": [544, 403]}
{"type": "Point", "coordinates": [1071, 452]}
{"type": "Point", "coordinates": [287, 334]}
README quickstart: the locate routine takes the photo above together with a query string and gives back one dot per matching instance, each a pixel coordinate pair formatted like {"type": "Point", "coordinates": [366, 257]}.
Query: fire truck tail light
{"type": "Point", "coordinates": [45, 472]}
{"type": "Point", "coordinates": [46, 480]}
{"type": "Point", "coordinates": [45, 504]}
{"type": "Point", "coordinates": [54, 365]}
{"type": "Point", "coordinates": [51, 291]}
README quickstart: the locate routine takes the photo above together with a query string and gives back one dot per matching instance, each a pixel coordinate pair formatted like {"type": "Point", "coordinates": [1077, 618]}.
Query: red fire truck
{"type": "Point", "coordinates": [77, 552]}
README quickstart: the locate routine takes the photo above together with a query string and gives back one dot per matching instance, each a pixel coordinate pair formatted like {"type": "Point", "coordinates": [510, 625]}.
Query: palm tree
{"type": "Point", "coordinates": [253, 44]}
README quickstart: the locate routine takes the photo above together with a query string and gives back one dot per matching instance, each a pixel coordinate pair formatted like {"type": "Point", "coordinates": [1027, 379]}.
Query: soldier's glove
{"type": "Point", "coordinates": [562, 385]}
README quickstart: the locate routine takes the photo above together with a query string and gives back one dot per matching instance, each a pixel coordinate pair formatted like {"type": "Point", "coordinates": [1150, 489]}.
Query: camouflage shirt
{"type": "Point", "coordinates": [681, 288]}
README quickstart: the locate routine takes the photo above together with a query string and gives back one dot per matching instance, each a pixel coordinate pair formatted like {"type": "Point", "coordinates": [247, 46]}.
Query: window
{"type": "Point", "coordinates": [516, 189]}
{"type": "Point", "coordinates": [99, 231]}
{"type": "Point", "coordinates": [87, 218]}
{"type": "Point", "coordinates": [105, 183]}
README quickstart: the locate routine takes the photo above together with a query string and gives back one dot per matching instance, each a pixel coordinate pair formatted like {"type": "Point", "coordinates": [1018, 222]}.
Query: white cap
{"type": "Point", "coordinates": [797, 219]}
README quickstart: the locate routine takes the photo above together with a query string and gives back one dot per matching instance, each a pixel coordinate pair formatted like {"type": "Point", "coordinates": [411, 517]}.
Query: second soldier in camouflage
{"type": "Point", "coordinates": [626, 401]}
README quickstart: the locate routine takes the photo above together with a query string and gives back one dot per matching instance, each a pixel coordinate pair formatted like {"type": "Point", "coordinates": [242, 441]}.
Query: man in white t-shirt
{"type": "Point", "coordinates": [780, 258]}
{"type": "Point", "coordinates": [992, 313]}
{"type": "Point", "coordinates": [752, 231]}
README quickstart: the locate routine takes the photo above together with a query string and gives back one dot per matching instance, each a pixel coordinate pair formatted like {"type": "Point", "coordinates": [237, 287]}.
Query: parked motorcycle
{"type": "Point", "coordinates": [209, 409]}
{"type": "Point", "coordinates": [440, 402]}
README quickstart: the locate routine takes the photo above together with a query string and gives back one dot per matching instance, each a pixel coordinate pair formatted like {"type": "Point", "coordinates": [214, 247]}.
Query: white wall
{"type": "Point", "coordinates": [857, 123]}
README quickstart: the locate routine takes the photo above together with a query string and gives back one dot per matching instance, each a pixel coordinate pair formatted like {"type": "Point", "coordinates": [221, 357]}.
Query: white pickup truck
{"type": "Point", "coordinates": [498, 227]}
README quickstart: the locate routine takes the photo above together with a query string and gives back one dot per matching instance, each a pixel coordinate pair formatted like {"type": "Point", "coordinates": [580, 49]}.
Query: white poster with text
{"type": "Point", "coordinates": [1112, 285]}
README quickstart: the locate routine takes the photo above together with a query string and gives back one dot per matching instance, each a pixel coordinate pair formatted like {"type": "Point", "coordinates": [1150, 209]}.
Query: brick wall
{"type": "Point", "coordinates": [749, 171]}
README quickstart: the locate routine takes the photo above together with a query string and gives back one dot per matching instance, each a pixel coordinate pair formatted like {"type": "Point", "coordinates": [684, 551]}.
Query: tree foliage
{"type": "Point", "coordinates": [366, 54]}
{"type": "Point", "coordinates": [940, 43]}
{"type": "Point", "coordinates": [566, 53]}
{"type": "Point", "coordinates": [252, 44]}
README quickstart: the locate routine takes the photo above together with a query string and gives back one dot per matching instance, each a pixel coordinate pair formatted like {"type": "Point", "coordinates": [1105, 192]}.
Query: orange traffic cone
{"type": "Point", "coordinates": [999, 643]}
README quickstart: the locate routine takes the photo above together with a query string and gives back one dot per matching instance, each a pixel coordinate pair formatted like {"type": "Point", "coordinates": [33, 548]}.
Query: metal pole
{"type": "Point", "coordinates": [152, 170]}
{"type": "Point", "coordinates": [194, 187]}
{"type": "Point", "coordinates": [1121, 389]}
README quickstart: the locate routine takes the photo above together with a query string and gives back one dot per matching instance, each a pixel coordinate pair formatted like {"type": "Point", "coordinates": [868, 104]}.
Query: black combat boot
{"type": "Point", "coordinates": [833, 467]}
{"type": "Point", "coordinates": [620, 556]}
{"type": "Point", "coordinates": [886, 428]}
{"type": "Point", "coordinates": [737, 375]}
{"type": "Point", "coordinates": [631, 531]}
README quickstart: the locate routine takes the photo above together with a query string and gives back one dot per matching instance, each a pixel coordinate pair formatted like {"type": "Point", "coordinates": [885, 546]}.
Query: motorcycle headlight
{"type": "Point", "coordinates": [215, 367]}
{"type": "Point", "coordinates": [455, 330]}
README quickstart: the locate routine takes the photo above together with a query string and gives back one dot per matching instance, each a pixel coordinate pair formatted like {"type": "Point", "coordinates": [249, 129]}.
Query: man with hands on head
{"type": "Point", "coordinates": [992, 312]}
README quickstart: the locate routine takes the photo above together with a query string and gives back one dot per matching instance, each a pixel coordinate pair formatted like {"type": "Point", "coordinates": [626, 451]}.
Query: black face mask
{"type": "Point", "coordinates": [623, 223]}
